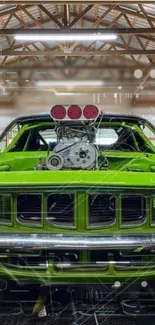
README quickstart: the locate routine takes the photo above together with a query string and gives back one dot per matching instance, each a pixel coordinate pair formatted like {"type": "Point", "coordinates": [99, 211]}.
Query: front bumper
{"type": "Point", "coordinates": [60, 242]}
{"type": "Point", "coordinates": [82, 271]}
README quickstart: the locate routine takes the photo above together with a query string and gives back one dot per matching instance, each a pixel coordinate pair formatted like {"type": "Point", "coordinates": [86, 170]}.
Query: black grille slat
{"type": "Point", "coordinates": [60, 209]}
{"type": "Point", "coordinates": [101, 209]}
{"type": "Point", "coordinates": [133, 208]}
{"type": "Point", "coordinates": [153, 210]}
{"type": "Point", "coordinates": [29, 208]}
{"type": "Point", "coordinates": [5, 208]}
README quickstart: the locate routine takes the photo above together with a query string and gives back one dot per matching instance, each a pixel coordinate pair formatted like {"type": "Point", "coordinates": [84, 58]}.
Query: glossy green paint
{"type": "Point", "coordinates": [115, 179]}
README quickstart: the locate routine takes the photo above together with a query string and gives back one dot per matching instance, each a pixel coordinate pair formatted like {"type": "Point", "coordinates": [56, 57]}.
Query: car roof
{"type": "Point", "coordinates": [101, 118]}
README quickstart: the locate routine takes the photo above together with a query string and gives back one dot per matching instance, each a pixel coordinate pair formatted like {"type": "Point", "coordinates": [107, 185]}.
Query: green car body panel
{"type": "Point", "coordinates": [130, 174]}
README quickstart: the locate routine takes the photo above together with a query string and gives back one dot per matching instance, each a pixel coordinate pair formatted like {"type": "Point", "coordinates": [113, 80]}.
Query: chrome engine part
{"type": "Point", "coordinates": [54, 162]}
{"type": "Point", "coordinates": [75, 148]}
{"type": "Point", "coordinates": [73, 154]}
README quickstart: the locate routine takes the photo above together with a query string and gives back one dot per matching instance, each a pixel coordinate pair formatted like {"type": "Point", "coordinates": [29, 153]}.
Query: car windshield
{"type": "Point", "coordinates": [112, 138]}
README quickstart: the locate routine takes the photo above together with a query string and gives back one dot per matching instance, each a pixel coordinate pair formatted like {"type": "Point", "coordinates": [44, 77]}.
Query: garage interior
{"type": "Point", "coordinates": [75, 52]}
{"type": "Point", "coordinates": [116, 74]}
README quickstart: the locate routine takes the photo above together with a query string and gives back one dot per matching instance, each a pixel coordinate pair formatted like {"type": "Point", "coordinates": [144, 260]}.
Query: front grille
{"type": "Point", "coordinates": [29, 208]}
{"type": "Point", "coordinates": [133, 209]}
{"type": "Point", "coordinates": [60, 209]}
{"type": "Point", "coordinates": [66, 210]}
{"type": "Point", "coordinates": [101, 209]}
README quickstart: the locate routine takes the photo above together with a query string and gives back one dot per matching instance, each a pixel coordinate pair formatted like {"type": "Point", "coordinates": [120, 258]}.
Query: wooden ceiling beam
{"type": "Point", "coordinates": [47, 67]}
{"type": "Point", "coordinates": [97, 6]}
{"type": "Point", "coordinates": [122, 31]}
{"type": "Point", "coordinates": [137, 37]}
{"type": "Point", "coordinates": [36, 21]}
{"type": "Point", "coordinates": [51, 16]}
{"type": "Point", "coordinates": [118, 45]}
{"type": "Point", "coordinates": [7, 21]}
{"type": "Point", "coordinates": [42, 22]}
{"type": "Point", "coordinates": [78, 17]}
{"type": "Point", "coordinates": [66, 15]}
{"type": "Point", "coordinates": [21, 21]}
{"type": "Point", "coordinates": [7, 12]}
{"type": "Point", "coordinates": [146, 16]}
{"type": "Point", "coordinates": [134, 13]}
{"type": "Point", "coordinates": [6, 56]}
{"type": "Point", "coordinates": [78, 54]}
{"type": "Point", "coordinates": [98, 20]}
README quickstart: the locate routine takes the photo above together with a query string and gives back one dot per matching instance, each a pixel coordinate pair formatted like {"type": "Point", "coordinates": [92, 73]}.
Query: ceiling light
{"type": "Point", "coordinates": [138, 73]}
{"type": "Point", "coordinates": [70, 83]}
{"type": "Point", "coordinates": [152, 73]}
{"type": "Point", "coordinates": [70, 37]}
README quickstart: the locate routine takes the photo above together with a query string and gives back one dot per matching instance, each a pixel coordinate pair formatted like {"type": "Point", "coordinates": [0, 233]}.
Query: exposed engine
{"type": "Point", "coordinates": [75, 149]}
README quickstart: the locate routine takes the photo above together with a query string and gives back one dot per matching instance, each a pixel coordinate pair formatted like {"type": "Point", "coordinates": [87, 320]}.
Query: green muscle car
{"type": "Point", "coordinates": [77, 198]}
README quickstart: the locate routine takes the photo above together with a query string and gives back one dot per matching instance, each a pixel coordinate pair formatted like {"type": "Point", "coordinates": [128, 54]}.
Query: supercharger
{"type": "Point", "coordinates": [75, 149]}
{"type": "Point", "coordinates": [73, 155]}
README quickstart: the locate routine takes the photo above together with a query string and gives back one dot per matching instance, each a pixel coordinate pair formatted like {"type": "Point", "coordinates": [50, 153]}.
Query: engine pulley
{"type": "Point", "coordinates": [83, 155]}
{"type": "Point", "coordinates": [54, 162]}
